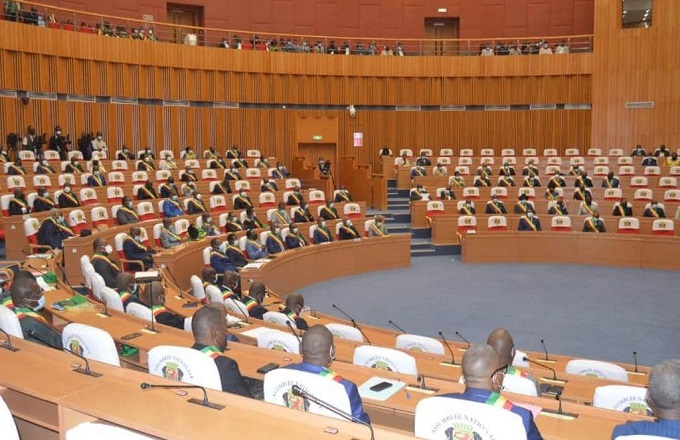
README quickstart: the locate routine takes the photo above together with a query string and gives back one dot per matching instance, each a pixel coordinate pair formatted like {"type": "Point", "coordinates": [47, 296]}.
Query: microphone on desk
{"type": "Point", "coordinates": [7, 345]}
{"type": "Point", "coordinates": [526, 359]}
{"type": "Point", "coordinates": [462, 338]}
{"type": "Point", "coordinates": [201, 402]}
{"type": "Point", "coordinates": [297, 391]}
{"type": "Point", "coordinates": [558, 397]}
{"type": "Point", "coordinates": [290, 326]}
{"type": "Point", "coordinates": [163, 269]}
{"type": "Point", "coordinates": [243, 312]}
{"type": "Point", "coordinates": [545, 350]}
{"type": "Point", "coordinates": [105, 312]}
{"type": "Point", "coordinates": [390, 322]}
{"type": "Point", "coordinates": [635, 359]}
{"type": "Point", "coordinates": [78, 369]}
{"type": "Point", "coordinates": [354, 323]}
{"type": "Point", "coordinates": [453, 357]}
{"type": "Point", "coordinates": [421, 379]}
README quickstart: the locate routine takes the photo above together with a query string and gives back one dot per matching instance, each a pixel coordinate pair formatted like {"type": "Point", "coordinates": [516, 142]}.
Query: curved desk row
{"type": "Point", "coordinates": [647, 252]}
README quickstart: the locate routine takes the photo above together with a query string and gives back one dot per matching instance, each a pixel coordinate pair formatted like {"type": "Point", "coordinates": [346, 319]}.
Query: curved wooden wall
{"type": "Point", "coordinates": [53, 61]}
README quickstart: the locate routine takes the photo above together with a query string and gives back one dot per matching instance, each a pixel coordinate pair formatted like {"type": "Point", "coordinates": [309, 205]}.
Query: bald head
{"type": "Point", "coordinates": [295, 302]}
{"type": "Point", "coordinates": [124, 281]}
{"type": "Point", "coordinates": [501, 341]}
{"type": "Point", "coordinates": [479, 363]}
{"type": "Point", "coordinates": [209, 274]}
{"type": "Point", "coordinates": [317, 346]}
{"type": "Point", "coordinates": [135, 231]}
{"type": "Point", "coordinates": [98, 244]}
{"type": "Point", "coordinates": [230, 279]}
{"type": "Point", "coordinates": [209, 326]}
{"type": "Point", "coordinates": [664, 389]}
{"type": "Point", "coordinates": [25, 292]}
{"type": "Point", "coordinates": [257, 291]}
{"type": "Point", "coordinates": [154, 294]}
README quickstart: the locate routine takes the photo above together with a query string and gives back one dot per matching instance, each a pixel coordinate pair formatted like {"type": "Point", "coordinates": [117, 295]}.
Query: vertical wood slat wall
{"type": "Point", "coordinates": [82, 66]}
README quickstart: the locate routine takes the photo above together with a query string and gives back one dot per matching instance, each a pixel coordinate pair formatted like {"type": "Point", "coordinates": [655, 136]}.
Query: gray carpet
{"type": "Point", "coordinates": [586, 311]}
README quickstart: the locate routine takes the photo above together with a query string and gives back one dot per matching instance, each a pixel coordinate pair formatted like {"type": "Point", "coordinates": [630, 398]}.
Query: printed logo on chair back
{"type": "Point", "coordinates": [496, 221]}
{"type": "Point", "coordinates": [290, 400]}
{"type": "Point", "coordinates": [81, 216]}
{"type": "Point", "coordinates": [75, 347]}
{"type": "Point", "coordinates": [462, 430]}
{"type": "Point", "coordinates": [380, 363]}
{"type": "Point", "coordinates": [633, 405]}
{"type": "Point", "coordinates": [627, 223]}
{"type": "Point", "coordinates": [16, 182]}
{"type": "Point", "coordinates": [467, 221]}
{"type": "Point", "coordinates": [172, 367]}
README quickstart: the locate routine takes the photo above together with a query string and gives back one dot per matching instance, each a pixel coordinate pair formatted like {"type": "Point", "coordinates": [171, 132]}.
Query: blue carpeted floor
{"type": "Point", "coordinates": [587, 311]}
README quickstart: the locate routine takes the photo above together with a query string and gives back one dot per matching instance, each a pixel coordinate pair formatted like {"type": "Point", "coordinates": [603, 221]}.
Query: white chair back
{"type": "Point", "coordinates": [238, 308]}
{"type": "Point", "coordinates": [184, 365]}
{"type": "Point", "coordinates": [278, 390]}
{"type": "Point", "coordinates": [343, 331]}
{"type": "Point", "coordinates": [9, 322]}
{"type": "Point", "coordinates": [603, 370]}
{"type": "Point", "coordinates": [112, 299]}
{"type": "Point", "coordinates": [519, 385]}
{"type": "Point", "coordinates": [278, 318]}
{"type": "Point", "coordinates": [97, 285]}
{"type": "Point", "coordinates": [419, 343]}
{"type": "Point", "coordinates": [139, 311]}
{"type": "Point", "coordinates": [385, 359]}
{"type": "Point", "coordinates": [213, 293]}
{"type": "Point", "coordinates": [622, 398]}
{"type": "Point", "coordinates": [279, 341]}
{"type": "Point", "coordinates": [440, 418]}
{"type": "Point", "coordinates": [7, 426]}
{"type": "Point", "coordinates": [197, 287]}
{"type": "Point", "coordinates": [518, 360]}
{"type": "Point", "coordinates": [91, 343]}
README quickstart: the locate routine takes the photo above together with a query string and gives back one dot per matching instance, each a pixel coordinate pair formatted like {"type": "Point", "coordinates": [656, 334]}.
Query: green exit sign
{"type": "Point", "coordinates": [317, 137]}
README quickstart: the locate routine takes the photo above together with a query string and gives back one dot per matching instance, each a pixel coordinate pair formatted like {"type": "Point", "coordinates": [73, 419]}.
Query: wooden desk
{"type": "Point", "coordinates": [645, 252]}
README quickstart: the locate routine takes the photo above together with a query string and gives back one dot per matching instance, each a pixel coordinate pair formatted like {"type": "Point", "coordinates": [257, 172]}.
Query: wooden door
{"type": "Point", "coordinates": [440, 29]}
{"type": "Point", "coordinates": [189, 17]}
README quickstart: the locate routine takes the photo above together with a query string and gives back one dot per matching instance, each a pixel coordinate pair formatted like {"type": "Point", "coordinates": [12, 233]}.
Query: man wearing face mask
{"type": "Point", "coordinates": [232, 174]}
{"type": "Point", "coordinates": [209, 327]}
{"type": "Point", "coordinates": [377, 228]}
{"type": "Point", "coordinates": [223, 187]}
{"type": "Point", "coordinates": [654, 210]}
{"type": "Point", "coordinates": [275, 243]}
{"type": "Point", "coordinates": [328, 211]}
{"type": "Point", "coordinates": [234, 252]}
{"type": "Point", "coordinates": [529, 222]}
{"type": "Point", "coordinates": [146, 164]}
{"type": "Point", "coordinates": [558, 207]}
{"type": "Point", "coordinates": [268, 185]}
{"type": "Point", "coordinates": [74, 167]}
{"type": "Point", "coordinates": [189, 154]}
{"type": "Point", "coordinates": [467, 208]}
{"type": "Point", "coordinates": [153, 296]}
{"type": "Point", "coordinates": [254, 249]}
{"type": "Point", "coordinates": [280, 217]}
{"type": "Point", "coordinates": [295, 303]}
{"type": "Point", "coordinates": [302, 215]}
{"type": "Point", "coordinates": [96, 178]}
{"type": "Point", "coordinates": [44, 167]}
{"type": "Point", "coordinates": [169, 238]}
{"type": "Point", "coordinates": [348, 231]}
{"type": "Point", "coordinates": [30, 141]}
{"type": "Point", "coordinates": [124, 154]}
{"type": "Point", "coordinates": [135, 250]}
{"type": "Point", "coordinates": [167, 188]}
{"type": "Point", "coordinates": [218, 256]}
{"type": "Point", "coordinates": [189, 175]}
{"type": "Point", "coordinates": [495, 207]}
{"type": "Point", "coordinates": [295, 198]}
{"type": "Point", "coordinates": [102, 262]}
{"type": "Point", "coordinates": [322, 234]}
{"type": "Point", "coordinates": [126, 214]}
{"type": "Point", "coordinates": [294, 239]}
{"type": "Point", "coordinates": [98, 143]}
{"type": "Point", "coordinates": [172, 207]}
{"type": "Point", "coordinates": [233, 224]}
{"type": "Point", "coordinates": [484, 375]}
{"type": "Point", "coordinates": [59, 143]}
{"type": "Point", "coordinates": [207, 229]}
{"type": "Point", "coordinates": [18, 204]}
{"type": "Point", "coordinates": [28, 300]}
{"type": "Point", "coordinates": [127, 288]}
{"type": "Point", "coordinates": [251, 221]}
{"type": "Point", "coordinates": [54, 229]}
{"type": "Point", "coordinates": [16, 169]}
{"type": "Point", "coordinates": [280, 172]}
{"type": "Point", "coordinates": [242, 201]}
{"type": "Point", "coordinates": [196, 205]}
{"type": "Point", "coordinates": [593, 223]}
{"type": "Point", "coordinates": [147, 191]}
{"type": "Point", "coordinates": [343, 195]}
{"type": "Point", "coordinates": [168, 163]}
{"type": "Point", "coordinates": [318, 354]}
{"type": "Point", "coordinates": [68, 199]}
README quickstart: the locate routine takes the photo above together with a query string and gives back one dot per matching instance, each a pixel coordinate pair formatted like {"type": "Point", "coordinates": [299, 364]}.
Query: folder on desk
{"type": "Point", "coordinates": [366, 393]}
{"type": "Point", "coordinates": [255, 332]}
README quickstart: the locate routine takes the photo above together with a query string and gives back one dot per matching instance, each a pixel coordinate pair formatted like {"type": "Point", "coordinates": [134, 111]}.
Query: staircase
{"type": "Point", "coordinates": [399, 218]}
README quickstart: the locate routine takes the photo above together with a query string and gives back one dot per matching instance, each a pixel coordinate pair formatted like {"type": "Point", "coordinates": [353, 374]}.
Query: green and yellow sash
{"type": "Point", "coordinates": [344, 196]}
{"type": "Point", "coordinates": [198, 204]}
{"type": "Point", "coordinates": [245, 199]}
{"type": "Point", "coordinates": [149, 193]}
{"type": "Point", "coordinates": [124, 296]}
{"type": "Point", "coordinates": [332, 214]}
{"type": "Point", "coordinates": [496, 208]}
{"type": "Point", "coordinates": [512, 371]}
{"type": "Point", "coordinates": [591, 224]}
{"type": "Point", "coordinates": [158, 309]}
{"type": "Point", "coordinates": [458, 182]}
{"type": "Point", "coordinates": [61, 227]}
{"type": "Point", "coordinates": [106, 259]}
{"type": "Point", "coordinates": [97, 180]}
{"type": "Point", "coordinates": [324, 232]}
{"type": "Point", "coordinates": [148, 166]}
{"type": "Point", "coordinates": [19, 202]}
{"type": "Point", "coordinates": [278, 241]}
{"type": "Point", "coordinates": [530, 223]}
{"type": "Point", "coordinates": [211, 351]}
{"type": "Point", "coordinates": [276, 174]}
{"type": "Point", "coordinates": [269, 186]}
{"type": "Point", "coordinates": [72, 198]}
{"type": "Point", "coordinates": [499, 401]}
{"type": "Point", "coordinates": [24, 312]}
{"type": "Point", "coordinates": [349, 230]}
{"type": "Point", "coordinates": [236, 225]}
{"type": "Point", "coordinates": [439, 173]}
{"type": "Point", "coordinates": [129, 211]}
{"type": "Point", "coordinates": [280, 216]}
{"type": "Point", "coordinates": [523, 206]}
{"type": "Point", "coordinates": [17, 169]}
{"type": "Point", "coordinates": [331, 375]}
{"type": "Point", "coordinates": [465, 210]}
{"type": "Point", "coordinates": [173, 235]}
{"type": "Point", "coordinates": [297, 197]}
{"type": "Point", "coordinates": [135, 242]}
{"type": "Point", "coordinates": [590, 210]}
{"type": "Point", "coordinates": [377, 231]}
{"type": "Point", "coordinates": [508, 181]}
{"type": "Point", "coordinates": [620, 208]}
{"type": "Point", "coordinates": [654, 212]}
{"type": "Point", "coordinates": [7, 302]}
{"type": "Point", "coordinates": [233, 175]}
{"type": "Point", "coordinates": [249, 302]}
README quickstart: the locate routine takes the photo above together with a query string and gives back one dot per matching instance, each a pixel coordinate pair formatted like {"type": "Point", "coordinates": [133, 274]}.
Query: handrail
{"type": "Point", "coordinates": [69, 18]}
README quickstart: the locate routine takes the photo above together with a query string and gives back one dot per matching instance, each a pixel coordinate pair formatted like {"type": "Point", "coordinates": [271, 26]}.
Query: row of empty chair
{"type": "Point", "coordinates": [507, 152]}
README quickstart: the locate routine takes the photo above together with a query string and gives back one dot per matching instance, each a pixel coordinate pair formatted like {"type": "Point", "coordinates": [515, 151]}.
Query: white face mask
{"type": "Point", "coordinates": [349, 223]}
{"type": "Point", "coordinates": [108, 249]}
{"type": "Point", "coordinates": [323, 224]}
{"type": "Point", "coordinates": [223, 247]}
{"type": "Point", "coordinates": [128, 204]}
{"type": "Point", "coordinates": [208, 220]}
{"type": "Point", "coordinates": [198, 196]}
{"type": "Point", "coordinates": [96, 173]}
{"type": "Point", "coordinates": [61, 219]}
{"type": "Point", "coordinates": [58, 132]}
{"type": "Point", "coordinates": [46, 195]}
{"type": "Point", "coordinates": [243, 194]}
{"type": "Point", "coordinates": [277, 231]}
{"type": "Point", "coordinates": [99, 138]}
{"type": "Point", "coordinates": [67, 189]}
{"type": "Point", "coordinates": [530, 214]}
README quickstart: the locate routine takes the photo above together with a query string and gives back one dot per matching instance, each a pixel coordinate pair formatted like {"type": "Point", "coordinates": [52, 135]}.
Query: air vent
{"type": "Point", "coordinates": [578, 106]}
{"type": "Point", "coordinates": [44, 96]}
{"type": "Point", "coordinates": [8, 93]}
{"type": "Point", "coordinates": [543, 107]}
{"type": "Point", "coordinates": [452, 108]}
{"type": "Point", "coordinates": [639, 105]}
{"type": "Point", "coordinates": [171, 103]}
{"type": "Point", "coordinates": [80, 98]}
{"type": "Point", "coordinates": [225, 105]}
{"type": "Point", "coordinates": [408, 108]}
{"type": "Point", "coordinates": [127, 101]}
{"type": "Point", "coordinates": [497, 108]}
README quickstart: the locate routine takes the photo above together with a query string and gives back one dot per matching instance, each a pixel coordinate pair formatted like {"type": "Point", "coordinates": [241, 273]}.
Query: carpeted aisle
{"type": "Point", "coordinates": [593, 312]}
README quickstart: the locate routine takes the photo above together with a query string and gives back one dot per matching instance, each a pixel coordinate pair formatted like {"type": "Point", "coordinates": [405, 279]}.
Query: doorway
{"type": "Point", "coordinates": [442, 29]}
{"type": "Point", "coordinates": [189, 18]}
{"type": "Point", "coordinates": [313, 151]}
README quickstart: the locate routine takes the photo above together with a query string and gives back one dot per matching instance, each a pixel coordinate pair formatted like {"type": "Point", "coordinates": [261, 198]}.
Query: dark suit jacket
{"type": "Point", "coordinates": [230, 375]}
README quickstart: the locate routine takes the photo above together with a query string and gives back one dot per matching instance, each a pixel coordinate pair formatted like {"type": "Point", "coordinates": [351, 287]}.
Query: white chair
{"type": "Point", "coordinates": [139, 311]}
{"type": "Point", "coordinates": [91, 343]}
{"type": "Point", "coordinates": [278, 390]}
{"type": "Point", "coordinates": [343, 331]}
{"type": "Point", "coordinates": [439, 418]}
{"type": "Point", "coordinates": [278, 318]}
{"type": "Point", "coordinates": [603, 370]}
{"type": "Point", "coordinates": [213, 293]}
{"type": "Point", "coordinates": [622, 398]}
{"type": "Point", "coordinates": [419, 343]}
{"type": "Point", "coordinates": [518, 360]}
{"type": "Point", "coordinates": [197, 287]}
{"type": "Point", "coordinates": [112, 299]}
{"type": "Point", "coordinates": [184, 364]}
{"type": "Point", "coordinates": [9, 322]}
{"type": "Point", "coordinates": [238, 308]}
{"type": "Point", "coordinates": [97, 285]}
{"type": "Point", "coordinates": [279, 341]}
{"type": "Point", "coordinates": [519, 385]}
{"type": "Point", "coordinates": [385, 359]}
{"type": "Point", "coordinates": [7, 426]}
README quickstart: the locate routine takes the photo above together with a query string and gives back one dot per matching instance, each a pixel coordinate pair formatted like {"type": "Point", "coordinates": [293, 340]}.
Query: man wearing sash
{"type": "Point", "coordinates": [196, 205]}
{"type": "Point", "coordinates": [153, 296]}
{"type": "Point", "coordinates": [168, 164]}
{"type": "Point", "coordinates": [610, 181]}
{"type": "Point", "coordinates": [189, 154]}
{"type": "Point", "coordinates": [419, 193]}
{"type": "Point", "coordinates": [189, 175]}
{"type": "Point", "coordinates": [44, 168]}
{"type": "Point", "coordinates": [127, 288]}
{"type": "Point", "coordinates": [295, 198]}
{"type": "Point", "coordinates": [268, 185]}
{"type": "Point", "coordinates": [531, 181]}
{"type": "Point", "coordinates": [68, 199]}
{"type": "Point", "coordinates": [558, 207]}
{"type": "Point", "coordinates": [484, 170]}
{"type": "Point", "coordinates": [126, 214]}
{"type": "Point", "coordinates": [583, 181]}
{"type": "Point", "coordinates": [530, 170]}
{"type": "Point", "coordinates": [124, 154]}
{"type": "Point", "coordinates": [218, 257]}
{"type": "Point", "coordinates": [254, 249]}
{"type": "Point", "coordinates": [348, 231]}
{"type": "Point", "coordinates": [593, 223]}
{"type": "Point", "coordinates": [506, 181]}
{"type": "Point", "coordinates": [172, 207]}
{"type": "Point", "coordinates": [53, 230]}
{"type": "Point", "coordinates": [654, 211]}
{"type": "Point", "coordinates": [302, 215]}
{"type": "Point", "coordinates": [495, 206]}
{"type": "Point", "coordinates": [251, 221]}
{"type": "Point", "coordinates": [232, 174]}
{"type": "Point", "coordinates": [467, 208]}
{"type": "Point", "coordinates": [218, 164]}
{"type": "Point", "coordinates": [295, 303]}
{"type": "Point", "coordinates": [456, 180]}
{"type": "Point", "coordinates": [321, 233]}
{"type": "Point", "coordinates": [423, 160]}
{"type": "Point", "coordinates": [243, 201]}
{"type": "Point", "coordinates": [522, 205]}
{"type": "Point", "coordinates": [418, 171]}
{"type": "Point", "coordinates": [147, 192]}
{"type": "Point", "coordinates": [232, 153]}
{"type": "Point", "coordinates": [343, 196]}
{"type": "Point", "coordinates": [588, 207]}
{"type": "Point", "coordinates": [16, 169]}
{"type": "Point", "coordinates": [447, 194]}
{"type": "Point", "coordinates": [318, 354]}
{"type": "Point", "coordinates": [328, 212]}
{"type": "Point", "coordinates": [207, 229]}
{"type": "Point", "coordinates": [263, 163]}
{"type": "Point", "coordinates": [529, 222]}
{"type": "Point", "coordinates": [507, 170]}
{"type": "Point", "coordinates": [557, 181]}
{"type": "Point", "coordinates": [623, 209]}
{"type": "Point", "coordinates": [102, 262]}
{"type": "Point", "coordinates": [223, 187]}
{"type": "Point", "coordinates": [280, 172]}
{"type": "Point", "coordinates": [483, 375]}
{"type": "Point", "coordinates": [74, 167]}
{"type": "Point", "coordinates": [580, 193]}
{"type": "Point", "coordinates": [18, 204]}
{"type": "Point", "coordinates": [169, 239]}
{"type": "Point", "coordinates": [211, 153]}
{"type": "Point", "coordinates": [28, 300]}
{"type": "Point", "coordinates": [254, 300]}
{"type": "Point", "coordinates": [439, 170]}
{"type": "Point", "coordinates": [295, 239]}
{"type": "Point", "coordinates": [96, 179]}
{"type": "Point", "coordinates": [135, 250]}
{"type": "Point", "coordinates": [233, 224]}
{"type": "Point", "coordinates": [146, 164]}
{"type": "Point", "coordinates": [502, 343]}
{"type": "Point", "coordinates": [234, 252]}
{"type": "Point", "coordinates": [377, 228]}
{"type": "Point", "coordinates": [275, 243]}
{"type": "Point", "coordinates": [167, 188]}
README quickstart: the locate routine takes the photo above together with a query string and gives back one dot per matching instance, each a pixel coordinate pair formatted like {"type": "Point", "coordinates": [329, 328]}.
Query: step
{"type": "Point", "coordinates": [391, 183]}
{"type": "Point", "coordinates": [420, 244]}
{"type": "Point", "coordinates": [399, 207]}
{"type": "Point", "coordinates": [423, 252]}
{"type": "Point", "coordinates": [398, 199]}
{"type": "Point", "coordinates": [422, 233]}
{"type": "Point", "coordinates": [398, 229]}
{"type": "Point", "coordinates": [402, 216]}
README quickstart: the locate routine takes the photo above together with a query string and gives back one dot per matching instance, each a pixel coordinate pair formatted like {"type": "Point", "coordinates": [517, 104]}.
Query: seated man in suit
{"type": "Point", "coordinates": [172, 207]}
{"type": "Point", "coordinates": [234, 252]}
{"type": "Point", "coordinates": [303, 215]}
{"type": "Point", "coordinates": [662, 151]}
{"type": "Point", "coordinates": [507, 170]}
{"type": "Point", "coordinates": [275, 244]}
{"type": "Point", "coordinates": [531, 181]}
{"type": "Point", "coordinates": [169, 238]}
{"type": "Point", "coordinates": [419, 193]}
{"type": "Point", "coordinates": [588, 207]}
{"type": "Point", "coordinates": [189, 175]}
{"type": "Point", "coordinates": [54, 230]}
{"type": "Point", "coordinates": [484, 170]}
{"type": "Point", "coordinates": [218, 163]}
{"type": "Point", "coordinates": [583, 180]}
{"type": "Point", "coordinates": [558, 207]}
{"type": "Point", "coordinates": [348, 231]}
{"type": "Point", "coordinates": [457, 181]}
{"type": "Point", "coordinates": [638, 151]}
{"type": "Point", "coordinates": [18, 204]}
{"type": "Point", "coordinates": [96, 178]}
{"type": "Point", "coordinates": [218, 257]}
{"type": "Point", "coordinates": [254, 300]}
{"type": "Point", "coordinates": [232, 174]}
{"type": "Point", "coordinates": [295, 198]}
{"type": "Point", "coordinates": [295, 303]}
{"type": "Point", "coordinates": [328, 211]}
{"type": "Point", "coordinates": [126, 214]}
{"type": "Point", "coordinates": [663, 396]}
{"type": "Point", "coordinates": [196, 205]}
{"type": "Point", "coordinates": [28, 299]}
{"type": "Point", "coordinates": [530, 169]}
{"type": "Point", "coordinates": [209, 327]}
{"type": "Point", "coordinates": [377, 228]}
{"type": "Point", "coordinates": [495, 206]}
{"type": "Point", "coordinates": [251, 221]}
{"type": "Point", "coordinates": [502, 343]}
{"type": "Point", "coordinates": [483, 375]}
{"type": "Point", "coordinates": [102, 264]}
{"type": "Point", "coordinates": [68, 199]}
{"type": "Point", "coordinates": [522, 205]}
{"type": "Point", "coordinates": [654, 211]}
{"type": "Point", "coordinates": [169, 164]}
{"type": "Point", "coordinates": [280, 172]}
{"type": "Point", "coordinates": [229, 287]}
{"type": "Point", "coordinates": [447, 194]}
{"type": "Point", "coordinates": [506, 181]}
{"type": "Point", "coordinates": [557, 181]}
{"type": "Point", "coordinates": [423, 160]}
{"type": "Point", "coordinates": [593, 223]}
{"type": "Point", "coordinates": [418, 171]}
{"type": "Point", "coordinates": [322, 234]}
{"type": "Point", "coordinates": [135, 250]}
{"type": "Point", "coordinates": [153, 296]}
{"type": "Point", "coordinates": [467, 208]}
{"type": "Point", "coordinates": [167, 188]}
{"type": "Point", "coordinates": [147, 191]}
{"type": "Point", "coordinates": [611, 181]}
{"type": "Point", "coordinates": [124, 154]}
{"type": "Point", "coordinates": [233, 224]}
{"type": "Point", "coordinates": [280, 217]}
{"type": "Point", "coordinates": [343, 195]}
{"type": "Point", "coordinates": [440, 170]}
{"type": "Point", "coordinates": [44, 167]}
{"type": "Point", "coordinates": [529, 222]}
{"type": "Point", "coordinates": [254, 249]}
{"type": "Point", "coordinates": [74, 167]}
{"type": "Point", "coordinates": [16, 169]}
{"type": "Point", "coordinates": [127, 288]}
{"type": "Point", "coordinates": [295, 239]}
{"type": "Point", "coordinates": [207, 228]}
{"type": "Point", "coordinates": [243, 201]}
{"type": "Point", "coordinates": [268, 185]}
{"type": "Point", "coordinates": [318, 353]}
{"type": "Point", "coordinates": [43, 202]}
{"type": "Point", "coordinates": [189, 154]}
{"type": "Point", "coordinates": [146, 164]}
{"type": "Point", "coordinates": [623, 209]}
